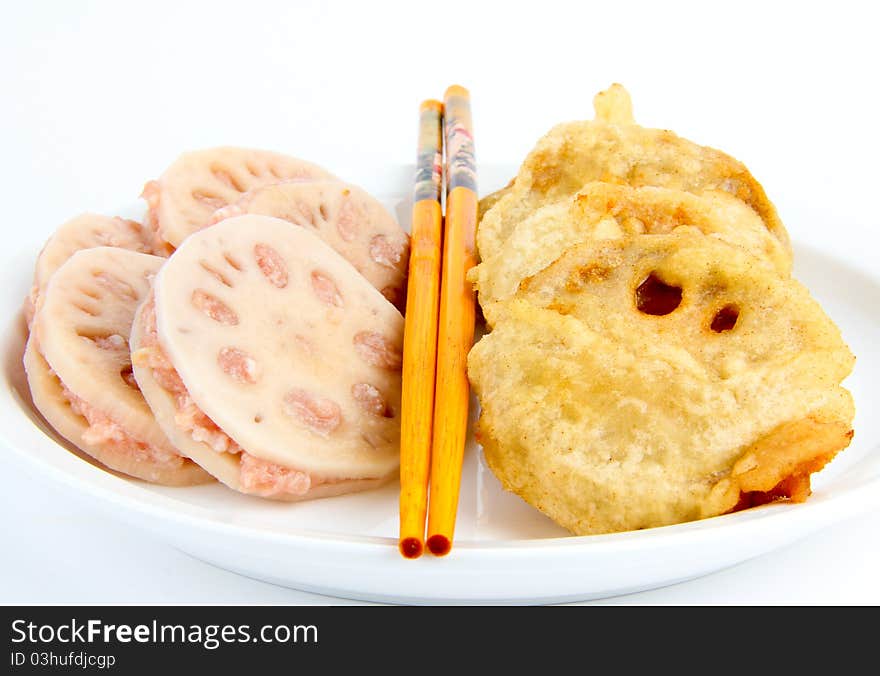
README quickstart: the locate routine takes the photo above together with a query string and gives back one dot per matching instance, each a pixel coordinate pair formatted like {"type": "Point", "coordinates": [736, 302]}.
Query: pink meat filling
{"type": "Point", "coordinates": [188, 416]}
{"type": "Point", "coordinates": [107, 435]}
{"type": "Point", "coordinates": [256, 476]}
{"type": "Point", "coordinates": [150, 195]}
{"type": "Point", "coordinates": [267, 479]}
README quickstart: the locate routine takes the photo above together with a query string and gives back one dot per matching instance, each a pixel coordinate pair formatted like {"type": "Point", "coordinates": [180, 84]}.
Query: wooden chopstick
{"type": "Point", "coordinates": [456, 323]}
{"type": "Point", "coordinates": [420, 332]}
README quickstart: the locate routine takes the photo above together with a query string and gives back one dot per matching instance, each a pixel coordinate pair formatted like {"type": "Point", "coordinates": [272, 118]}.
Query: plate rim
{"type": "Point", "coordinates": [118, 493]}
{"type": "Point", "coordinates": [97, 482]}
{"type": "Point", "coordinates": [138, 499]}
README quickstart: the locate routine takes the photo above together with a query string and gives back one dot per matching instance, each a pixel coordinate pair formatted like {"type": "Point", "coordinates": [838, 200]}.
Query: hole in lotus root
{"type": "Point", "coordinates": [725, 319]}
{"type": "Point", "coordinates": [209, 199]}
{"type": "Point", "coordinates": [385, 252]}
{"type": "Point", "coordinates": [258, 418]}
{"type": "Point", "coordinates": [116, 286]}
{"type": "Point", "coordinates": [91, 293]}
{"type": "Point", "coordinates": [228, 178]}
{"type": "Point", "coordinates": [238, 365]}
{"type": "Point", "coordinates": [133, 226]}
{"type": "Point", "coordinates": [656, 297]}
{"type": "Point", "coordinates": [324, 213]}
{"type": "Point", "coordinates": [104, 341]}
{"type": "Point", "coordinates": [214, 308]}
{"type": "Point", "coordinates": [318, 414]}
{"type": "Point", "coordinates": [112, 342]}
{"type": "Point", "coordinates": [347, 219]}
{"type": "Point", "coordinates": [127, 376]}
{"type": "Point", "coordinates": [219, 276]}
{"type": "Point", "coordinates": [90, 311]}
{"type": "Point", "coordinates": [377, 350]}
{"type": "Point", "coordinates": [325, 288]}
{"type": "Point", "coordinates": [271, 264]}
{"type": "Point", "coordinates": [233, 261]}
{"type": "Point", "coordinates": [298, 213]}
{"type": "Point", "coordinates": [370, 399]}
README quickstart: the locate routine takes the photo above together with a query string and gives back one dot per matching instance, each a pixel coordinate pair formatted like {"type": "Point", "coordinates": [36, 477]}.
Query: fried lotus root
{"type": "Point", "coordinates": [656, 381]}
{"type": "Point", "coordinates": [611, 148]}
{"type": "Point", "coordinates": [86, 231]}
{"type": "Point", "coordinates": [612, 106]}
{"type": "Point", "coordinates": [199, 183]}
{"type": "Point", "coordinates": [492, 199]}
{"type": "Point", "coordinates": [607, 211]}
{"type": "Point", "coordinates": [347, 218]}
{"type": "Point", "coordinates": [79, 368]}
{"type": "Point", "coordinates": [273, 362]}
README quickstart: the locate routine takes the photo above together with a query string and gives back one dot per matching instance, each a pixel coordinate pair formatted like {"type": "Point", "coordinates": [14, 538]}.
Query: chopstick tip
{"type": "Point", "coordinates": [432, 104]}
{"type": "Point", "coordinates": [411, 548]}
{"type": "Point", "coordinates": [456, 90]}
{"type": "Point", "coordinates": [439, 545]}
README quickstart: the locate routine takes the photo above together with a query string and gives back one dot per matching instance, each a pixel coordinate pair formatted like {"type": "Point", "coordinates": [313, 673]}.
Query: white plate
{"type": "Point", "coordinates": [504, 551]}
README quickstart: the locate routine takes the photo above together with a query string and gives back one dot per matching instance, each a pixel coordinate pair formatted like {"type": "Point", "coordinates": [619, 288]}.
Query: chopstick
{"type": "Point", "coordinates": [420, 332]}
{"type": "Point", "coordinates": [456, 322]}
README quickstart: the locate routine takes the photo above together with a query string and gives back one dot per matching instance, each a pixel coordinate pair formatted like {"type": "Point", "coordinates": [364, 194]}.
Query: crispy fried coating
{"type": "Point", "coordinates": [491, 199]}
{"type": "Point", "coordinates": [613, 106]}
{"type": "Point", "coordinates": [611, 148]}
{"type": "Point", "coordinates": [659, 379]}
{"type": "Point", "coordinates": [610, 211]}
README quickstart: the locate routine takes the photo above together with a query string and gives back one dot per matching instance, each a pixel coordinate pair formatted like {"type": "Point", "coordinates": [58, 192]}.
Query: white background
{"type": "Point", "coordinates": [99, 97]}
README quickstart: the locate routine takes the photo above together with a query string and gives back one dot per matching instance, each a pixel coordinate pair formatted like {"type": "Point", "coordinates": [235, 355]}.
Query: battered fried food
{"type": "Point", "coordinates": [608, 211]}
{"type": "Point", "coordinates": [612, 106]}
{"type": "Point", "coordinates": [612, 149]}
{"type": "Point", "coordinates": [659, 379]}
{"type": "Point", "coordinates": [492, 199]}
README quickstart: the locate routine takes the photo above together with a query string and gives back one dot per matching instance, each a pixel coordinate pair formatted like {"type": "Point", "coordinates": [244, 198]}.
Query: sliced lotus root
{"type": "Point", "coordinates": [79, 366]}
{"type": "Point", "coordinates": [612, 149]}
{"type": "Point", "coordinates": [86, 231]}
{"type": "Point", "coordinates": [53, 402]}
{"type": "Point", "coordinates": [656, 380]}
{"type": "Point", "coordinates": [246, 474]}
{"type": "Point", "coordinates": [276, 358]}
{"type": "Point", "coordinates": [606, 211]}
{"type": "Point", "coordinates": [198, 183]}
{"type": "Point", "coordinates": [726, 308]}
{"type": "Point", "coordinates": [350, 220]}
